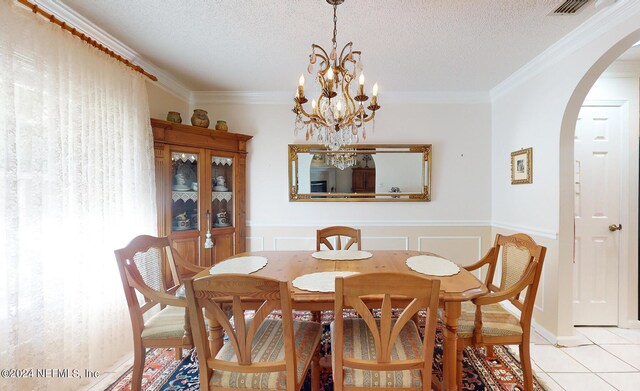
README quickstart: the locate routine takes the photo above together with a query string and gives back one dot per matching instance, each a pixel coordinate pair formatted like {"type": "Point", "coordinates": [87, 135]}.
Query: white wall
{"type": "Point", "coordinates": [455, 224]}
{"type": "Point", "coordinates": [538, 108]}
{"type": "Point", "coordinates": [460, 134]}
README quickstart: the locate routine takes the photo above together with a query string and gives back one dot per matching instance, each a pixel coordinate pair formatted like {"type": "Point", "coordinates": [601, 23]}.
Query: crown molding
{"type": "Point", "coordinates": [63, 12]}
{"type": "Point", "coordinates": [585, 33]}
{"type": "Point", "coordinates": [286, 97]}
{"type": "Point", "coordinates": [242, 97]}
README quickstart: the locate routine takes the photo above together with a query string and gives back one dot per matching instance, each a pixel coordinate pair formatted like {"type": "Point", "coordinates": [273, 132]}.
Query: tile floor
{"type": "Point", "coordinates": [610, 362]}
{"type": "Point", "coordinates": [107, 378]}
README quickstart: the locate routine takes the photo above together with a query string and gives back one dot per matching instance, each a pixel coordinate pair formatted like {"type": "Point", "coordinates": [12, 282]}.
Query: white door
{"type": "Point", "coordinates": [597, 207]}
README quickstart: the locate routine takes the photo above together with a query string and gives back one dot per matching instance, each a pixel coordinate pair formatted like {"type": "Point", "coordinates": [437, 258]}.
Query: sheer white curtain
{"type": "Point", "coordinates": [76, 182]}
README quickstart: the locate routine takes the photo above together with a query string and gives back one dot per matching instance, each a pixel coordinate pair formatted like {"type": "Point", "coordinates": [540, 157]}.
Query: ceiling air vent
{"type": "Point", "coordinates": [569, 7]}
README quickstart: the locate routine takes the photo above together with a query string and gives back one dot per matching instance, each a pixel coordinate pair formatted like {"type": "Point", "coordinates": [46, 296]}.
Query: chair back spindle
{"type": "Point", "coordinates": [324, 236]}
{"type": "Point", "coordinates": [393, 290]}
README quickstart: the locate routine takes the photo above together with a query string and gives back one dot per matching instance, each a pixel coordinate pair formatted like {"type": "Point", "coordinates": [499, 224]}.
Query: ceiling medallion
{"type": "Point", "coordinates": [338, 114]}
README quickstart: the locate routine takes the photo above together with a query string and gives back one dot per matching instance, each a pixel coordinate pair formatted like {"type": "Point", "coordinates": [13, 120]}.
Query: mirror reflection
{"type": "Point", "coordinates": [360, 173]}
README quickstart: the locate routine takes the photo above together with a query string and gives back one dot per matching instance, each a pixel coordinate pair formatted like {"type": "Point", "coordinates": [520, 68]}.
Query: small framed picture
{"type": "Point", "coordinates": [521, 166]}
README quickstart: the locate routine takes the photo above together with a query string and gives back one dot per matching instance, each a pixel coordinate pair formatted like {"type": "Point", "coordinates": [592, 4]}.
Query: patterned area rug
{"type": "Point", "coordinates": [498, 370]}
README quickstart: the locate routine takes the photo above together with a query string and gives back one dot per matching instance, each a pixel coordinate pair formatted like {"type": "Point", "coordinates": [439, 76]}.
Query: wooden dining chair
{"type": "Point", "coordinates": [141, 270]}
{"type": "Point", "coordinates": [485, 322]}
{"type": "Point", "coordinates": [352, 235]}
{"type": "Point", "coordinates": [384, 353]}
{"type": "Point", "coordinates": [260, 353]}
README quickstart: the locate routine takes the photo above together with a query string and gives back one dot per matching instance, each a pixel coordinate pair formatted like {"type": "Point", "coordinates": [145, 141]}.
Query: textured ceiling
{"type": "Point", "coordinates": [263, 45]}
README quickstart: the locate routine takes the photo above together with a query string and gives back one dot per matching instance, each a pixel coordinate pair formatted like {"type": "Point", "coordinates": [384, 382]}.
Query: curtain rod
{"type": "Point", "coordinates": [86, 38]}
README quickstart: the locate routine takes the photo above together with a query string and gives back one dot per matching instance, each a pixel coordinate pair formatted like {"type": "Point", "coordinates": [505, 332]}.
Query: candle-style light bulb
{"type": "Point", "coordinates": [361, 80]}
{"type": "Point", "coordinates": [361, 88]}
{"type": "Point", "coordinates": [313, 104]}
{"type": "Point", "coordinates": [338, 108]}
{"type": "Point", "coordinates": [301, 86]}
{"type": "Point", "coordinates": [330, 79]}
{"type": "Point", "coordinates": [374, 99]}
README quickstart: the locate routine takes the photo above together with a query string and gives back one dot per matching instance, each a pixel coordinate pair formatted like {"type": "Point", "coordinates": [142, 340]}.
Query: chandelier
{"type": "Point", "coordinates": [338, 114]}
{"type": "Point", "coordinates": [343, 159]}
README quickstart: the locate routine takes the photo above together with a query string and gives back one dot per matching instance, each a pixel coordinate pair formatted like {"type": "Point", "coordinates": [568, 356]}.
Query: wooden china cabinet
{"type": "Point", "coordinates": [363, 180]}
{"type": "Point", "coordinates": [201, 187]}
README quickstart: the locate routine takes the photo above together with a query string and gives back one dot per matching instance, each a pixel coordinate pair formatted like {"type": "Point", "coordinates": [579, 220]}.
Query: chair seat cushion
{"type": "Point", "coordinates": [268, 345]}
{"type": "Point", "coordinates": [168, 323]}
{"type": "Point", "coordinates": [496, 321]}
{"type": "Point", "coordinates": [359, 343]}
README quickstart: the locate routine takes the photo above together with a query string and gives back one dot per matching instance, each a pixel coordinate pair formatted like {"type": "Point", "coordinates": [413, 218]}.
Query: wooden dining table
{"type": "Point", "coordinates": [287, 265]}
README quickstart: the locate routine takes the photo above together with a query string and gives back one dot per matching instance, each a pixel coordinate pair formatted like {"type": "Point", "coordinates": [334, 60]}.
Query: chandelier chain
{"type": "Point", "coordinates": [335, 25]}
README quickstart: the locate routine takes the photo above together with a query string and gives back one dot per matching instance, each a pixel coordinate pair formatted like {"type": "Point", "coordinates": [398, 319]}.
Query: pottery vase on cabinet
{"type": "Point", "coordinates": [200, 118]}
{"type": "Point", "coordinates": [222, 125]}
{"type": "Point", "coordinates": [174, 116]}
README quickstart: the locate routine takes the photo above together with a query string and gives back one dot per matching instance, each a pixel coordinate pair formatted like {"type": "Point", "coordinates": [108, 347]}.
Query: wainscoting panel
{"type": "Point", "coordinates": [462, 244]}
{"type": "Point", "coordinates": [255, 243]}
{"type": "Point", "coordinates": [385, 243]}
{"type": "Point", "coordinates": [544, 315]}
{"type": "Point", "coordinates": [294, 243]}
{"type": "Point", "coordinates": [463, 250]}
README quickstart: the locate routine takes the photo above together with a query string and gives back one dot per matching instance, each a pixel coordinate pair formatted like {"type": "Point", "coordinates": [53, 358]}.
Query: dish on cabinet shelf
{"type": "Point", "coordinates": [220, 188]}
{"type": "Point", "coordinates": [181, 188]}
{"type": "Point", "coordinates": [221, 225]}
{"type": "Point", "coordinates": [176, 228]}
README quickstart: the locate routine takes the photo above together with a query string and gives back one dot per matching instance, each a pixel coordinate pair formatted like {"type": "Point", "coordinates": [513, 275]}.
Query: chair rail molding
{"type": "Point", "coordinates": [526, 230]}
{"type": "Point", "coordinates": [380, 223]}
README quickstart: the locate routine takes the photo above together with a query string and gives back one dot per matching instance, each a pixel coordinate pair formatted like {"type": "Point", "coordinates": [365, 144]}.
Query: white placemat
{"type": "Point", "coordinates": [240, 265]}
{"type": "Point", "coordinates": [319, 282]}
{"type": "Point", "coordinates": [342, 255]}
{"type": "Point", "coordinates": [432, 266]}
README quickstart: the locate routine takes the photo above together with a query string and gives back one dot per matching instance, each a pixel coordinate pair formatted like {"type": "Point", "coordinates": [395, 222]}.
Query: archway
{"type": "Point", "coordinates": [566, 177]}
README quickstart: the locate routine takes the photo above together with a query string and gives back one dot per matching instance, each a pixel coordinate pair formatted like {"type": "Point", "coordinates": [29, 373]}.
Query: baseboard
{"type": "Point", "coordinates": [631, 324]}
{"type": "Point", "coordinates": [546, 334]}
{"type": "Point", "coordinates": [559, 340]}
{"type": "Point", "coordinates": [572, 340]}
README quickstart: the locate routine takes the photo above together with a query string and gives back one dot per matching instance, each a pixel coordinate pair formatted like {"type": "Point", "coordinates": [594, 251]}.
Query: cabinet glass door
{"type": "Point", "coordinates": [184, 191]}
{"type": "Point", "coordinates": [222, 191]}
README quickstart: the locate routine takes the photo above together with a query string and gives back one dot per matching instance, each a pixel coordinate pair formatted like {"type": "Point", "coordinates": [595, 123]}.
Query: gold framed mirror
{"type": "Point", "coordinates": [362, 172]}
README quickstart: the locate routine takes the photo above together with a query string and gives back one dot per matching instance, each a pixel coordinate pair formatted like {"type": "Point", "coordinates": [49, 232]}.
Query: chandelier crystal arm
{"type": "Point", "coordinates": [347, 58]}
{"type": "Point", "coordinates": [324, 56]}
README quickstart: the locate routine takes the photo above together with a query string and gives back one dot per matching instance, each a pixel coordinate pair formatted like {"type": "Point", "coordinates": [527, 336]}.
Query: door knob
{"type": "Point", "coordinates": [614, 227]}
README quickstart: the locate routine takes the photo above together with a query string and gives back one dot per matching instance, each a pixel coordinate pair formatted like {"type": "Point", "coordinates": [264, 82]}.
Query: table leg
{"type": "Point", "coordinates": [451, 314]}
